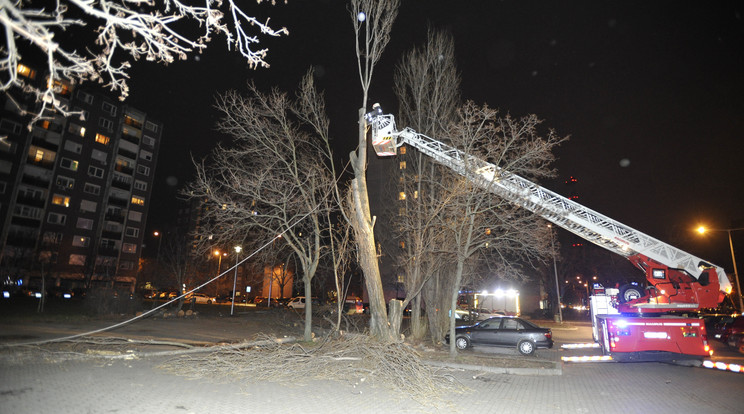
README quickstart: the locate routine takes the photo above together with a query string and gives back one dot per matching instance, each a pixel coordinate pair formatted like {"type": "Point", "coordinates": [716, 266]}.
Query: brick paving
{"type": "Point", "coordinates": [138, 386]}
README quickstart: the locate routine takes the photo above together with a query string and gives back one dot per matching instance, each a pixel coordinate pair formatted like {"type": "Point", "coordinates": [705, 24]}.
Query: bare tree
{"type": "Point", "coordinates": [124, 30]}
{"type": "Point", "coordinates": [275, 182]}
{"type": "Point", "coordinates": [372, 21]}
{"type": "Point", "coordinates": [485, 229]}
{"type": "Point", "coordinates": [427, 86]}
{"type": "Point", "coordinates": [176, 262]}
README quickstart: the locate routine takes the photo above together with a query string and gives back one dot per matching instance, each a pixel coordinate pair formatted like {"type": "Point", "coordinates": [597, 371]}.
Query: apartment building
{"type": "Point", "coordinates": [74, 191]}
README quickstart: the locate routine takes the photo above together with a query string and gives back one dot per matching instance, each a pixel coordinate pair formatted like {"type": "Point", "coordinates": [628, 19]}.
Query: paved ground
{"type": "Point", "coordinates": [138, 386]}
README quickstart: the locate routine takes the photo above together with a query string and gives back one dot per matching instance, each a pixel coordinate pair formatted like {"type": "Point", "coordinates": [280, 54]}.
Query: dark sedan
{"type": "Point", "coordinates": [504, 331]}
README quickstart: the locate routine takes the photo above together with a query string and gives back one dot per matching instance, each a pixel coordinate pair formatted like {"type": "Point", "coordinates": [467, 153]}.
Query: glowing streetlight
{"type": "Point", "coordinates": [235, 278]}
{"type": "Point", "coordinates": [219, 262]}
{"type": "Point", "coordinates": [702, 230]}
{"type": "Point", "coordinates": [160, 241]}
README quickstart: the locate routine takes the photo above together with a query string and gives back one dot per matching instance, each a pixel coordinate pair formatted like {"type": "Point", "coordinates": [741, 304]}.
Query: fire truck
{"type": "Point", "coordinates": [631, 322]}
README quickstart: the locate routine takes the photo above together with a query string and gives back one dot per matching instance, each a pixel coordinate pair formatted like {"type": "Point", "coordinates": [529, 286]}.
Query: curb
{"type": "Point", "coordinates": [558, 370]}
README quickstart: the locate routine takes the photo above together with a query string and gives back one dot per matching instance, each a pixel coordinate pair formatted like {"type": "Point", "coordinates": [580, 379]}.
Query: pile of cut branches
{"type": "Point", "coordinates": [353, 358]}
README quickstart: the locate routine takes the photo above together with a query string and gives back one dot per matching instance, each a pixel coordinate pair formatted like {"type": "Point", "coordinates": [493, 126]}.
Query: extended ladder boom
{"type": "Point", "coordinates": [570, 215]}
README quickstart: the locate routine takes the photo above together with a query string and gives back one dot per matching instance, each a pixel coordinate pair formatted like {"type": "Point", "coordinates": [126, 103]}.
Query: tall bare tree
{"type": "Point", "coordinates": [485, 229]}
{"type": "Point", "coordinates": [427, 86]}
{"type": "Point", "coordinates": [373, 21]}
{"type": "Point", "coordinates": [123, 30]}
{"type": "Point", "coordinates": [275, 181]}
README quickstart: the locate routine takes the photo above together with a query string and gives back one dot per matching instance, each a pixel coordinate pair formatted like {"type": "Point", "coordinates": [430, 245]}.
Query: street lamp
{"type": "Point", "coordinates": [555, 270]}
{"type": "Point", "coordinates": [702, 230]}
{"type": "Point", "coordinates": [160, 241]}
{"type": "Point", "coordinates": [219, 264]}
{"type": "Point", "coordinates": [235, 278]}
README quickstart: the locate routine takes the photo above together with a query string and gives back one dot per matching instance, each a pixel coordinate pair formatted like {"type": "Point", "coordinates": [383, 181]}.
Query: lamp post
{"type": "Point", "coordinates": [160, 241]}
{"type": "Point", "coordinates": [702, 230]}
{"type": "Point", "coordinates": [555, 270]}
{"type": "Point", "coordinates": [235, 278]}
{"type": "Point", "coordinates": [219, 265]}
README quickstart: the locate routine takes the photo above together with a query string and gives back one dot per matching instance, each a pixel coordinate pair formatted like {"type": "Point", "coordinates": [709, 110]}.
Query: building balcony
{"type": "Point", "coordinates": [43, 143]}
{"type": "Point", "coordinates": [20, 241]}
{"type": "Point", "coordinates": [129, 154]}
{"type": "Point", "coordinates": [40, 163]}
{"type": "Point", "coordinates": [30, 201]}
{"type": "Point", "coordinates": [121, 184]}
{"type": "Point", "coordinates": [113, 235]}
{"type": "Point", "coordinates": [26, 222]}
{"type": "Point", "coordinates": [124, 170]}
{"type": "Point", "coordinates": [130, 138]}
{"type": "Point", "coordinates": [119, 218]}
{"type": "Point", "coordinates": [35, 181]}
{"type": "Point", "coordinates": [121, 202]}
{"type": "Point", "coordinates": [108, 251]}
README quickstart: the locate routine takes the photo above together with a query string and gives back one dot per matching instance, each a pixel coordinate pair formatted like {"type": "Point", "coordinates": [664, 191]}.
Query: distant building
{"type": "Point", "coordinates": [74, 192]}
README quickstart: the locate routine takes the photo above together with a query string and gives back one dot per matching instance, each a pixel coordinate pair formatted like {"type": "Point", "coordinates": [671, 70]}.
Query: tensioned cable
{"type": "Point", "coordinates": [128, 321]}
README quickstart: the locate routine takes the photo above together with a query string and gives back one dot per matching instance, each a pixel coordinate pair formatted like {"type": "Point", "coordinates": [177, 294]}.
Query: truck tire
{"type": "Point", "coordinates": [526, 347]}
{"type": "Point", "coordinates": [629, 292]}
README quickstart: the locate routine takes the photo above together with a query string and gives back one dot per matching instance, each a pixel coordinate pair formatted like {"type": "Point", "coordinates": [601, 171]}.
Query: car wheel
{"type": "Point", "coordinates": [209, 302]}
{"type": "Point", "coordinates": [526, 347]}
{"type": "Point", "coordinates": [462, 342]}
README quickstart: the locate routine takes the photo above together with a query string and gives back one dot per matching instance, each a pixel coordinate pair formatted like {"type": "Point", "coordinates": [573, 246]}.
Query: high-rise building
{"type": "Point", "coordinates": [74, 191]}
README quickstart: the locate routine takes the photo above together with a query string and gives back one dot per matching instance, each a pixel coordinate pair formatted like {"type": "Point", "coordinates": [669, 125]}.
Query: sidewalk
{"type": "Point", "coordinates": [138, 386]}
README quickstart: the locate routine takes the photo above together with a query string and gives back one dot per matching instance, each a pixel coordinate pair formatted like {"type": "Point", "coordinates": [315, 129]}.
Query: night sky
{"type": "Point", "coordinates": [651, 93]}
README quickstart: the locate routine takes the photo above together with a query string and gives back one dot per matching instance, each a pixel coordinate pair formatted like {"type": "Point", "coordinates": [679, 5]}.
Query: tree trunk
{"type": "Point", "coordinates": [363, 228]}
{"type": "Point", "coordinates": [308, 336]}
{"type": "Point", "coordinates": [395, 313]}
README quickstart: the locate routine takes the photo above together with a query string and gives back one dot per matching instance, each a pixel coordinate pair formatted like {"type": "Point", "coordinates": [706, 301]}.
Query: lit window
{"type": "Point", "coordinates": [402, 165]}
{"type": "Point", "coordinates": [77, 260]}
{"type": "Point", "coordinates": [65, 183]}
{"type": "Point", "coordinates": [81, 241]}
{"type": "Point", "coordinates": [415, 194]}
{"type": "Point", "coordinates": [39, 155]}
{"type": "Point", "coordinates": [69, 164]}
{"type": "Point", "coordinates": [61, 200]}
{"type": "Point", "coordinates": [102, 139]}
{"type": "Point", "coordinates": [129, 248]}
{"type": "Point", "coordinates": [138, 200]}
{"type": "Point", "coordinates": [76, 129]}
{"type": "Point", "coordinates": [402, 195]}
{"type": "Point", "coordinates": [25, 71]}
{"type": "Point", "coordinates": [402, 150]}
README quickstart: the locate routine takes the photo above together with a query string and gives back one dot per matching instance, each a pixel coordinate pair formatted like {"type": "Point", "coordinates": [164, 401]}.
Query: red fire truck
{"type": "Point", "coordinates": [633, 322]}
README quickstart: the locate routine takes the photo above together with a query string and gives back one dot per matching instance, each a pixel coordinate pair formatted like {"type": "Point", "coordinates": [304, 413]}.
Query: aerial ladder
{"type": "Point", "coordinates": [677, 281]}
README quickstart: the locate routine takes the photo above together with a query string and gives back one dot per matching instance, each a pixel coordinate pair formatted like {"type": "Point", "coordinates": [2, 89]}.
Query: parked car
{"type": "Point", "coordinates": [722, 328]}
{"type": "Point", "coordinates": [200, 298]}
{"type": "Point", "coordinates": [732, 331]}
{"type": "Point", "coordinates": [299, 302]}
{"type": "Point", "coordinates": [504, 331]}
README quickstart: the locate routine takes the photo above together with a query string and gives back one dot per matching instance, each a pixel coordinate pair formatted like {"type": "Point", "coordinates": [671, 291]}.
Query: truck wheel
{"type": "Point", "coordinates": [629, 292]}
{"type": "Point", "coordinates": [462, 342]}
{"type": "Point", "coordinates": [526, 347]}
